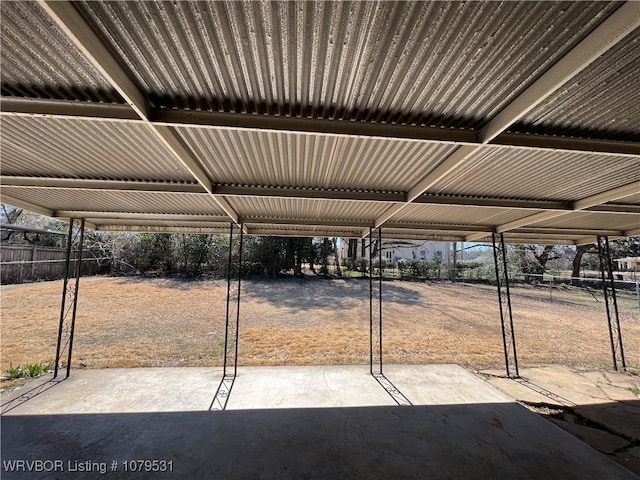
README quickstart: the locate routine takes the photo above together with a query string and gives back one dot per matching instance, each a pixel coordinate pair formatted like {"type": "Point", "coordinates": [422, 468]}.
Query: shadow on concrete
{"type": "Point", "coordinates": [544, 392]}
{"type": "Point", "coordinates": [393, 391]}
{"type": "Point", "coordinates": [480, 441]}
{"type": "Point", "coordinates": [223, 392]}
{"type": "Point", "coordinates": [14, 400]}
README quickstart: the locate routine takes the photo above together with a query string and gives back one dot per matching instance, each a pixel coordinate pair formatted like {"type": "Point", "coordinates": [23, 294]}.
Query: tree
{"type": "Point", "coordinates": [336, 257]}
{"type": "Point", "coordinates": [576, 263]}
{"type": "Point", "coordinates": [10, 214]}
{"type": "Point", "coordinates": [325, 250]}
{"type": "Point", "coordinates": [352, 254]}
{"type": "Point", "coordinates": [625, 247]}
{"type": "Point", "coordinates": [532, 259]}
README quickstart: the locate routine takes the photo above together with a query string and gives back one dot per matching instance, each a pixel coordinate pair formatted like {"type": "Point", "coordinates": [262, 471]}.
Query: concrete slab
{"type": "Point", "coordinates": [441, 385]}
{"type": "Point", "coordinates": [305, 387]}
{"type": "Point", "coordinates": [123, 390]}
{"type": "Point", "coordinates": [600, 440]}
{"type": "Point", "coordinates": [565, 382]}
{"type": "Point", "coordinates": [619, 417]}
{"type": "Point", "coordinates": [522, 392]}
{"type": "Point", "coordinates": [630, 459]}
{"type": "Point", "coordinates": [478, 433]}
{"type": "Point", "coordinates": [604, 401]}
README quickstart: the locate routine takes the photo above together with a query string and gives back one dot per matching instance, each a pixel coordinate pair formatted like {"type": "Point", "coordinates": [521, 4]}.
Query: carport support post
{"type": "Point", "coordinates": [378, 358]}
{"type": "Point", "coordinates": [226, 317]}
{"type": "Point", "coordinates": [504, 300]}
{"type": "Point", "coordinates": [380, 291]}
{"type": "Point", "coordinates": [225, 386]}
{"type": "Point", "coordinates": [70, 290]}
{"type": "Point", "coordinates": [611, 302]}
{"type": "Point", "coordinates": [370, 303]}
{"type": "Point", "coordinates": [228, 309]}
{"type": "Point", "coordinates": [235, 361]}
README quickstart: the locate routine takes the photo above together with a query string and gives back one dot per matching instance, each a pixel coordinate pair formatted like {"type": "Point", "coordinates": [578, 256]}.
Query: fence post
{"type": "Point", "coordinates": [33, 265]}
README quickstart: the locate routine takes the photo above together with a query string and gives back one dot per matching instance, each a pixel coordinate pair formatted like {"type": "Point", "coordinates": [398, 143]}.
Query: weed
{"type": "Point", "coordinates": [29, 370]}
{"type": "Point", "coordinates": [635, 390]}
{"type": "Point", "coordinates": [14, 372]}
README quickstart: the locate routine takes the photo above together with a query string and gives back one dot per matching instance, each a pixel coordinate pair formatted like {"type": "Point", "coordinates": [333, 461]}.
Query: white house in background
{"type": "Point", "coordinates": [628, 263]}
{"type": "Point", "coordinates": [394, 250]}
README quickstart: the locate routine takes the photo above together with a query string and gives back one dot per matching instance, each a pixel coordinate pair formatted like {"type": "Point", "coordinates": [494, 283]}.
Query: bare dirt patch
{"type": "Point", "coordinates": [124, 322]}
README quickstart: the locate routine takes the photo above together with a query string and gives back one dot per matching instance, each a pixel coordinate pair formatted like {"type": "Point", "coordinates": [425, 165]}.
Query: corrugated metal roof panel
{"type": "Point", "coordinates": [633, 199]}
{"type": "Point", "coordinates": [459, 215]}
{"type": "Point", "coordinates": [534, 174]}
{"type": "Point", "coordinates": [594, 220]}
{"type": "Point", "coordinates": [223, 227]}
{"type": "Point", "coordinates": [303, 230]}
{"type": "Point", "coordinates": [85, 149]}
{"type": "Point", "coordinates": [318, 161]}
{"type": "Point", "coordinates": [109, 201]}
{"type": "Point", "coordinates": [296, 208]}
{"type": "Point", "coordinates": [426, 232]}
{"type": "Point", "coordinates": [444, 63]}
{"type": "Point", "coordinates": [601, 101]}
{"type": "Point", "coordinates": [37, 60]}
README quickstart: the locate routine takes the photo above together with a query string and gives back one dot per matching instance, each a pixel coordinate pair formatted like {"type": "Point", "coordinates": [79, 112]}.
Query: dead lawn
{"type": "Point", "coordinates": [124, 322]}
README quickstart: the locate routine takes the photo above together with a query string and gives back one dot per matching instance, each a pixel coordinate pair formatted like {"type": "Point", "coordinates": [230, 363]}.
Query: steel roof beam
{"type": "Point", "coordinates": [161, 229]}
{"type": "Point", "coordinates": [588, 240]}
{"type": "Point", "coordinates": [577, 232]}
{"type": "Point", "coordinates": [588, 202]}
{"type": "Point", "coordinates": [436, 227]}
{"type": "Point", "coordinates": [567, 144]}
{"type": "Point", "coordinates": [309, 193]}
{"type": "Point", "coordinates": [163, 219]}
{"type": "Point", "coordinates": [301, 193]}
{"type": "Point", "coordinates": [303, 233]}
{"type": "Point", "coordinates": [22, 106]}
{"type": "Point", "coordinates": [18, 106]}
{"type": "Point", "coordinates": [18, 203]}
{"type": "Point", "coordinates": [94, 184]}
{"type": "Point", "coordinates": [80, 33]}
{"type": "Point", "coordinates": [306, 222]}
{"type": "Point", "coordinates": [220, 224]}
{"type": "Point", "coordinates": [139, 216]}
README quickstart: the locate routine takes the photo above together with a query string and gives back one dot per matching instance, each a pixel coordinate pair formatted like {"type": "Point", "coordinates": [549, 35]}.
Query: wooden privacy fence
{"type": "Point", "coordinates": [31, 263]}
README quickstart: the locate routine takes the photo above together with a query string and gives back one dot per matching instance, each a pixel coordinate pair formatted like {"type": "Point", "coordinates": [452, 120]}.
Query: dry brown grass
{"type": "Point", "coordinates": [126, 322]}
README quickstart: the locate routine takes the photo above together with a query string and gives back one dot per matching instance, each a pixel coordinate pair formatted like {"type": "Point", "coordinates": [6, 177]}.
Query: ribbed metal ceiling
{"type": "Point", "coordinates": [454, 215]}
{"type": "Point", "coordinates": [303, 230]}
{"type": "Point", "coordinates": [589, 219]}
{"type": "Point", "coordinates": [282, 73]}
{"type": "Point", "coordinates": [438, 235]}
{"type": "Point", "coordinates": [603, 101]}
{"type": "Point", "coordinates": [102, 222]}
{"type": "Point", "coordinates": [633, 199]}
{"type": "Point", "coordinates": [60, 147]}
{"type": "Point", "coordinates": [307, 209]}
{"type": "Point", "coordinates": [317, 161]}
{"type": "Point", "coordinates": [425, 63]}
{"type": "Point", "coordinates": [39, 61]}
{"type": "Point", "coordinates": [110, 201]}
{"type": "Point", "coordinates": [552, 175]}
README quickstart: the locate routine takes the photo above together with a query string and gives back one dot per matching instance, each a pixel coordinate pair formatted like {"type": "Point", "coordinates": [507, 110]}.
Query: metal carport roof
{"type": "Point", "coordinates": [438, 120]}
